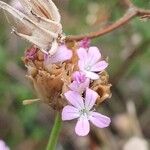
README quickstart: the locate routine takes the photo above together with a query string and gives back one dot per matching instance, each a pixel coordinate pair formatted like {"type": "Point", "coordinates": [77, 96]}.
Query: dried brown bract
{"type": "Point", "coordinates": [102, 87]}
{"type": "Point", "coordinates": [49, 82]}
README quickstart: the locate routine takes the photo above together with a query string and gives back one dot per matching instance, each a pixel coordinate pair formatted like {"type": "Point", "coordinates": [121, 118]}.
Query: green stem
{"type": "Point", "coordinates": [54, 133]}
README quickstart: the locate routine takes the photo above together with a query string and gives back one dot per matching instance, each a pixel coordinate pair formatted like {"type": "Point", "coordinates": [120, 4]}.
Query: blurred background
{"type": "Point", "coordinates": [128, 51]}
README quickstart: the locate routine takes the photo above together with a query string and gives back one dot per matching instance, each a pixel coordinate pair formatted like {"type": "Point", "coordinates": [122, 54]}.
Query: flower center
{"type": "Point", "coordinates": [88, 68]}
{"type": "Point", "coordinates": [84, 112]}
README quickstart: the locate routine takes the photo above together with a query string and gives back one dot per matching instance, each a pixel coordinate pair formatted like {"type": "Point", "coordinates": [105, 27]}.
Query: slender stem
{"type": "Point", "coordinates": [122, 21]}
{"type": "Point", "coordinates": [55, 133]}
{"type": "Point", "coordinates": [131, 13]}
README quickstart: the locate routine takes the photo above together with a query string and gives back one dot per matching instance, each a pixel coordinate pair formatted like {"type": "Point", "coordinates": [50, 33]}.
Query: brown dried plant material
{"type": "Point", "coordinates": [51, 81]}
{"type": "Point", "coordinates": [102, 87]}
{"type": "Point", "coordinates": [49, 84]}
{"type": "Point", "coordinates": [39, 23]}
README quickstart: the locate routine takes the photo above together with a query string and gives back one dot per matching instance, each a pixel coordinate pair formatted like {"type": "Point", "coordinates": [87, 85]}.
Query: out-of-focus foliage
{"type": "Point", "coordinates": [28, 127]}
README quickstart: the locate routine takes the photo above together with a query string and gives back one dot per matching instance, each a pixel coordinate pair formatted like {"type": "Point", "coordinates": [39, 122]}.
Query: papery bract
{"type": "Point", "coordinates": [41, 20]}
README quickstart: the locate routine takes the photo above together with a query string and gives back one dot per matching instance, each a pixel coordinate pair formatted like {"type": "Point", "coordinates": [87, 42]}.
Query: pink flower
{"type": "Point", "coordinates": [81, 108]}
{"type": "Point", "coordinates": [31, 53]}
{"type": "Point", "coordinates": [61, 55]}
{"type": "Point", "coordinates": [90, 63]}
{"type": "Point", "coordinates": [80, 82]}
{"type": "Point", "coordinates": [3, 146]}
{"type": "Point", "coordinates": [85, 43]}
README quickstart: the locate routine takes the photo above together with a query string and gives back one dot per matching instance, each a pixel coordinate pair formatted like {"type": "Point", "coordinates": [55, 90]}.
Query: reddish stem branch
{"type": "Point", "coordinates": [130, 14]}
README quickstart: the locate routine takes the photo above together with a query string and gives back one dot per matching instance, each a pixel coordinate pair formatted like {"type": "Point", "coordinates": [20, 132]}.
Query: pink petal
{"type": "Point", "coordinates": [84, 85]}
{"type": "Point", "coordinates": [91, 75]}
{"type": "Point", "coordinates": [93, 55]}
{"type": "Point", "coordinates": [74, 86]}
{"type": "Point", "coordinates": [69, 113]}
{"type": "Point", "coordinates": [81, 65]}
{"type": "Point", "coordinates": [3, 146]}
{"type": "Point", "coordinates": [101, 65]}
{"type": "Point", "coordinates": [85, 43]}
{"type": "Point", "coordinates": [82, 53]}
{"type": "Point", "coordinates": [79, 87]}
{"type": "Point", "coordinates": [79, 76]}
{"type": "Point", "coordinates": [62, 54]}
{"type": "Point", "coordinates": [99, 120]}
{"type": "Point", "coordinates": [90, 98]}
{"type": "Point", "coordinates": [82, 127]}
{"type": "Point", "coordinates": [75, 99]}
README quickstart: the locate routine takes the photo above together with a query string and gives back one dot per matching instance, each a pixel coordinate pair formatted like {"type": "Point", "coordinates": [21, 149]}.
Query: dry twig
{"type": "Point", "coordinates": [131, 13]}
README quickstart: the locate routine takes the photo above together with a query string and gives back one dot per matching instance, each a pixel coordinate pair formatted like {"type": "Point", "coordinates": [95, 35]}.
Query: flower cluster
{"type": "Point", "coordinates": [69, 77]}
{"type": "Point", "coordinates": [73, 80]}
{"type": "Point", "coordinates": [80, 97]}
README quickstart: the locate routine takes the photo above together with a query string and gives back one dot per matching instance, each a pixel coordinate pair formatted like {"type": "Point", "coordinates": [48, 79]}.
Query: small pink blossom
{"type": "Point", "coordinates": [80, 82]}
{"type": "Point", "coordinates": [81, 108]}
{"type": "Point", "coordinates": [85, 43]}
{"type": "Point", "coordinates": [62, 54]}
{"type": "Point", "coordinates": [3, 146]}
{"type": "Point", "coordinates": [90, 63]}
{"type": "Point", "coordinates": [31, 53]}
